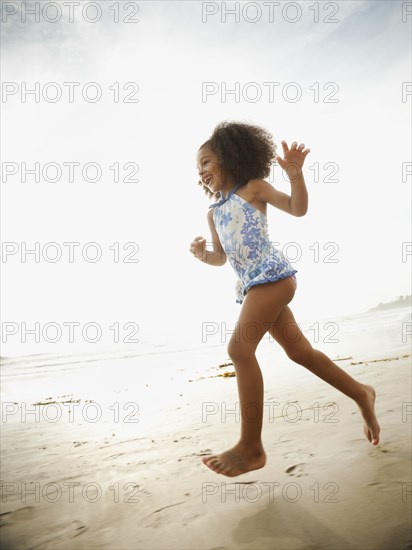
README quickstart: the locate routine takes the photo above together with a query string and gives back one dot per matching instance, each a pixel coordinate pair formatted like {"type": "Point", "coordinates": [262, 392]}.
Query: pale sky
{"type": "Point", "coordinates": [362, 60]}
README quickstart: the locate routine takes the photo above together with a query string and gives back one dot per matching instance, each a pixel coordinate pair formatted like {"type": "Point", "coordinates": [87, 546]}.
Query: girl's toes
{"type": "Point", "coordinates": [214, 464]}
{"type": "Point", "coordinates": [224, 468]}
{"type": "Point", "coordinates": [227, 471]}
{"type": "Point", "coordinates": [210, 462]}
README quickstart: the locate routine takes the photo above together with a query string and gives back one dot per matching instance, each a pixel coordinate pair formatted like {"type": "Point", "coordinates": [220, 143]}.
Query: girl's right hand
{"type": "Point", "coordinates": [197, 247]}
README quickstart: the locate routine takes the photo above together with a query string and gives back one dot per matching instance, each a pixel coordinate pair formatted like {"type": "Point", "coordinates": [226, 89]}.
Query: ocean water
{"type": "Point", "coordinates": [165, 368]}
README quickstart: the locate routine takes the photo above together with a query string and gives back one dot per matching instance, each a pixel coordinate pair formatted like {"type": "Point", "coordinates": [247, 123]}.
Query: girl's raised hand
{"type": "Point", "coordinates": [294, 157]}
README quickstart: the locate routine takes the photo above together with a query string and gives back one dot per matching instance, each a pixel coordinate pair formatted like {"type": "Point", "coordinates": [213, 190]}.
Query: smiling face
{"type": "Point", "coordinates": [210, 170]}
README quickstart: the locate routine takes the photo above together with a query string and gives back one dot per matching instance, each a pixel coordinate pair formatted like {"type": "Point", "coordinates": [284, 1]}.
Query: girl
{"type": "Point", "coordinates": [232, 165]}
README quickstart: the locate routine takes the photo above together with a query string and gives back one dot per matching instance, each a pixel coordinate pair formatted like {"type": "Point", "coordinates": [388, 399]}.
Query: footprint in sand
{"type": "Point", "coordinates": [22, 514]}
{"type": "Point", "coordinates": [164, 516]}
{"type": "Point", "coordinates": [283, 439]}
{"type": "Point", "coordinates": [203, 452]}
{"type": "Point", "coordinates": [113, 457]}
{"type": "Point", "coordinates": [296, 470]}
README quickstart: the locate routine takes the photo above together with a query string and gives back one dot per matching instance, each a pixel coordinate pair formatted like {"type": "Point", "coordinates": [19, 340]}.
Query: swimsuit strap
{"type": "Point", "coordinates": [223, 199]}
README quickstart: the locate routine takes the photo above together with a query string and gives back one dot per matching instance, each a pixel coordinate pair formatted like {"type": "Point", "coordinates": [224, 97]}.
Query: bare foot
{"type": "Point", "coordinates": [367, 407]}
{"type": "Point", "coordinates": [237, 460]}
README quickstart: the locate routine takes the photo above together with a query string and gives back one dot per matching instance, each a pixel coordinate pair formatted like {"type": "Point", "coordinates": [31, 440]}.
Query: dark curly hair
{"type": "Point", "coordinates": [245, 151]}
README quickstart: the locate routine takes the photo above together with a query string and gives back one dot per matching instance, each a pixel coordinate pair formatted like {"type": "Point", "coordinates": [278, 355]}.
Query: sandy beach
{"type": "Point", "coordinates": [107, 453]}
{"type": "Point", "coordinates": [159, 159]}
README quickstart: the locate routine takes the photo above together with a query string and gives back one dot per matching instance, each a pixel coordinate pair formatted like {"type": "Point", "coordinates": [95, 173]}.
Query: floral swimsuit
{"type": "Point", "coordinates": [243, 232]}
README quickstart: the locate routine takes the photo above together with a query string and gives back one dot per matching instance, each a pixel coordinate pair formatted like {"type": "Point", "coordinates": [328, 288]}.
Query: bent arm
{"type": "Point", "coordinates": [217, 256]}
{"type": "Point", "coordinates": [295, 204]}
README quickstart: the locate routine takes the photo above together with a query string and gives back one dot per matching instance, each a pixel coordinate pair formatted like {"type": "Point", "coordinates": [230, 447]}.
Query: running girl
{"type": "Point", "coordinates": [232, 165]}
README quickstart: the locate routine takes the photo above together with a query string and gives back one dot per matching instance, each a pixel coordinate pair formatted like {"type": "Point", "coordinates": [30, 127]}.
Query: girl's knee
{"type": "Point", "coordinates": [299, 353]}
{"type": "Point", "coordinates": [239, 350]}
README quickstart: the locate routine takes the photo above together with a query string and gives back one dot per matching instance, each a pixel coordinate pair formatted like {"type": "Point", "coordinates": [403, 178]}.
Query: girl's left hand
{"type": "Point", "coordinates": [293, 157]}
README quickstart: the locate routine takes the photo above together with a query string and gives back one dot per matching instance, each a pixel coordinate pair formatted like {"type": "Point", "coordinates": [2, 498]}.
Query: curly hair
{"type": "Point", "coordinates": [245, 152]}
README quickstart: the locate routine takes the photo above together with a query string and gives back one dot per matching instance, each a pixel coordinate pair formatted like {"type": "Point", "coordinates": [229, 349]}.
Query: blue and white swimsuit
{"type": "Point", "coordinates": [243, 232]}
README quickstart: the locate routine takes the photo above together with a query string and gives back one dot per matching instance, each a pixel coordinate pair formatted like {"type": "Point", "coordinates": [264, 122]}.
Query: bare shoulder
{"type": "Point", "coordinates": [252, 191]}
{"type": "Point", "coordinates": [259, 185]}
{"type": "Point", "coordinates": [247, 190]}
{"type": "Point", "coordinates": [265, 193]}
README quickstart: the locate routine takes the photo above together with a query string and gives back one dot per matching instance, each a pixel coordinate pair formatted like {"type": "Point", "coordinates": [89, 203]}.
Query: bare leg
{"type": "Point", "coordinates": [248, 454]}
{"type": "Point", "coordinates": [260, 308]}
{"type": "Point", "coordinates": [288, 334]}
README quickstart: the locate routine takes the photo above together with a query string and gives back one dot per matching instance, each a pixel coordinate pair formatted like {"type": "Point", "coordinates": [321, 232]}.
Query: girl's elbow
{"type": "Point", "coordinates": [220, 253]}
{"type": "Point", "coordinates": [302, 213]}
